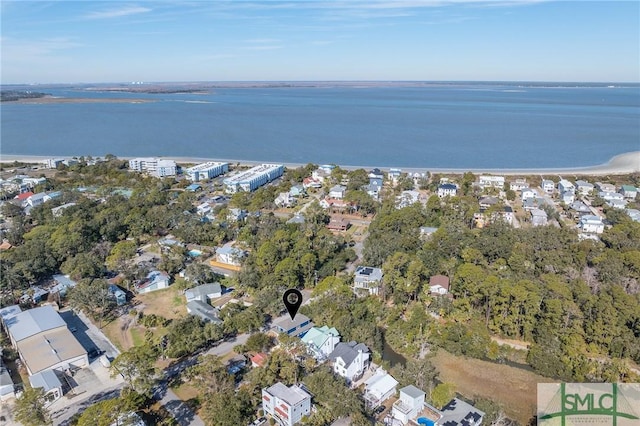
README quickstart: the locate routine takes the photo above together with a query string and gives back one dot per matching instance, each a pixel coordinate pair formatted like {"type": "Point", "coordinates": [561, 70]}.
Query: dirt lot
{"type": "Point", "coordinates": [513, 387]}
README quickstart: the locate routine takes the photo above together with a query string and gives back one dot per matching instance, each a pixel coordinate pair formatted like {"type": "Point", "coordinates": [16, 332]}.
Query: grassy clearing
{"type": "Point", "coordinates": [168, 303]}
{"type": "Point", "coordinates": [189, 395]}
{"type": "Point", "coordinates": [512, 387]}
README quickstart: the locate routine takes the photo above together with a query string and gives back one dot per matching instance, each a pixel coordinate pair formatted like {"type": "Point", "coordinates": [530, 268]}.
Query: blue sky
{"type": "Point", "coordinates": [525, 40]}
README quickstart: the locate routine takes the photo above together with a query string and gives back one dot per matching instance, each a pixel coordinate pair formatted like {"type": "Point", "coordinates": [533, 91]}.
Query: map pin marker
{"type": "Point", "coordinates": [292, 300]}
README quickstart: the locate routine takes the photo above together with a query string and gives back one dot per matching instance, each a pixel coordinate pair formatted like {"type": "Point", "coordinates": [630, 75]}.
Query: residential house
{"type": "Point", "coordinates": [427, 231]}
{"type": "Point", "coordinates": [407, 198]}
{"type": "Point", "coordinates": [591, 224]}
{"type": "Point", "coordinates": [285, 199]}
{"type": "Point", "coordinates": [538, 217]}
{"type": "Point", "coordinates": [485, 181]}
{"type": "Point", "coordinates": [311, 182]}
{"type": "Point", "coordinates": [57, 211]}
{"type": "Point", "coordinates": [297, 326]}
{"type": "Point", "coordinates": [528, 193]}
{"type": "Point", "coordinates": [518, 185]}
{"type": "Point", "coordinates": [376, 175]}
{"type": "Point", "coordinates": [567, 197]}
{"type": "Point", "coordinates": [617, 204]}
{"type": "Point", "coordinates": [63, 284]}
{"type": "Point", "coordinates": [155, 280]}
{"type": "Point", "coordinates": [584, 188]}
{"type": "Point", "coordinates": [605, 187]}
{"type": "Point", "coordinates": [439, 284]}
{"type": "Point", "coordinates": [230, 255]}
{"type": "Point", "coordinates": [394, 175]}
{"type": "Point", "coordinates": [447, 190]}
{"type": "Point", "coordinates": [409, 405]}
{"type": "Point", "coordinates": [259, 359]}
{"type": "Point", "coordinates": [608, 196]}
{"type": "Point", "coordinates": [117, 293]}
{"type": "Point", "coordinates": [204, 310]}
{"type": "Point", "coordinates": [338, 224]}
{"type": "Point", "coordinates": [486, 202]}
{"type": "Point", "coordinates": [50, 384]}
{"type": "Point", "coordinates": [566, 186]}
{"type": "Point", "coordinates": [204, 293]}
{"type": "Point", "coordinates": [287, 405]}
{"type": "Point", "coordinates": [367, 279]}
{"type": "Point", "coordinates": [634, 214]}
{"type": "Point", "coordinates": [204, 209]}
{"type": "Point", "coordinates": [548, 186]}
{"type": "Point", "coordinates": [320, 174]}
{"type": "Point", "coordinates": [507, 214]}
{"type": "Point", "coordinates": [629, 191]}
{"type": "Point", "coordinates": [580, 208]}
{"type": "Point", "coordinates": [338, 192]}
{"type": "Point", "coordinates": [193, 187]}
{"type": "Point", "coordinates": [296, 218]}
{"type": "Point", "coordinates": [379, 387]}
{"type": "Point", "coordinates": [350, 360]}
{"type": "Point", "coordinates": [336, 204]}
{"type": "Point", "coordinates": [36, 199]}
{"type": "Point", "coordinates": [236, 363]}
{"type": "Point", "coordinates": [460, 413]}
{"type": "Point", "coordinates": [373, 189]}
{"type": "Point", "coordinates": [236, 215]}
{"type": "Point", "coordinates": [321, 341]}
{"type": "Point", "coordinates": [297, 191]}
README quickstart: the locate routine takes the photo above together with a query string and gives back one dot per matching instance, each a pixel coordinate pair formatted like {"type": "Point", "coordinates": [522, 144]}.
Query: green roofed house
{"type": "Point", "coordinates": [629, 191]}
{"type": "Point", "coordinates": [321, 341]}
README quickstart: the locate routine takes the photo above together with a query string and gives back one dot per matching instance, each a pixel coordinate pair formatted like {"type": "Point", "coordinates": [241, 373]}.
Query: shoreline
{"type": "Point", "coordinates": [620, 164]}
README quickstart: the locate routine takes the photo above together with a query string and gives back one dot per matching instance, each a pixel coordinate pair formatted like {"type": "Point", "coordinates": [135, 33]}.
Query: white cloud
{"type": "Point", "coordinates": [117, 13]}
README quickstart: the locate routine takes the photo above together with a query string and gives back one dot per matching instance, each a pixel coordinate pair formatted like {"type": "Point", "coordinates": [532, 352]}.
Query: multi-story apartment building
{"type": "Point", "coordinates": [207, 170]}
{"type": "Point", "coordinates": [253, 178]}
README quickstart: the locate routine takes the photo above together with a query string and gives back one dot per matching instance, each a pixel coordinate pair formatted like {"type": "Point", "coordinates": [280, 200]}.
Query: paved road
{"type": "Point", "coordinates": [226, 347]}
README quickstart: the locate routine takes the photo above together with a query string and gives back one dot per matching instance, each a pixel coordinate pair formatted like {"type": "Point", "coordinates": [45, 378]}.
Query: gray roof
{"type": "Point", "coordinates": [286, 323]}
{"type": "Point", "coordinates": [450, 186]}
{"type": "Point", "coordinates": [367, 273]}
{"type": "Point", "coordinates": [5, 377]}
{"type": "Point", "coordinates": [291, 395]}
{"type": "Point", "coordinates": [34, 321]}
{"type": "Point", "coordinates": [458, 412]}
{"type": "Point", "coordinates": [203, 291]}
{"type": "Point", "coordinates": [9, 311]}
{"type": "Point", "coordinates": [203, 310]}
{"type": "Point", "coordinates": [46, 379]}
{"type": "Point", "coordinates": [348, 351]}
{"type": "Point", "coordinates": [412, 391]}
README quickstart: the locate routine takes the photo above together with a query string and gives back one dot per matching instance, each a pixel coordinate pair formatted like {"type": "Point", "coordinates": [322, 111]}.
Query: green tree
{"type": "Point", "coordinates": [30, 410]}
{"type": "Point", "coordinates": [136, 366]}
{"type": "Point", "coordinates": [442, 394]}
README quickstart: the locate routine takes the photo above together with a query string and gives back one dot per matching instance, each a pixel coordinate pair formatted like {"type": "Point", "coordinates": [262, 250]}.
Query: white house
{"type": "Point", "coordinates": [518, 185]}
{"type": "Point", "coordinates": [285, 199]}
{"type": "Point", "coordinates": [407, 198]}
{"type": "Point", "coordinates": [548, 186]}
{"type": "Point", "coordinates": [321, 341]}
{"type": "Point", "coordinates": [633, 214]}
{"type": "Point", "coordinates": [528, 193]}
{"type": "Point", "coordinates": [447, 190]}
{"type": "Point", "coordinates": [367, 278]}
{"type": "Point", "coordinates": [208, 170]}
{"type": "Point", "coordinates": [50, 384]}
{"type": "Point", "coordinates": [485, 181]}
{"type": "Point", "coordinates": [439, 284]}
{"type": "Point", "coordinates": [350, 360]}
{"type": "Point", "coordinates": [538, 217]}
{"type": "Point", "coordinates": [591, 224]}
{"type": "Point", "coordinates": [155, 280]}
{"type": "Point", "coordinates": [287, 405]}
{"type": "Point", "coordinates": [337, 192]}
{"type": "Point", "coordinates": [567, 197]}
{"type": "Point", "coordinates": [204, 293]}
{"type": "Point", "coordinates": [230, 255]}
{"type": "Point", "coordinates": [410, 403]}
{"type": "Point", "coordinates": [629, 191]}
{"type": "Point", "coordinates": [583, 187]}
{"type": "Point", "coordinates": [379, 387]}
{"type": "Point", "coordinates": [565, 186]}
{"type": "Point", "coordinates": [605, 187]}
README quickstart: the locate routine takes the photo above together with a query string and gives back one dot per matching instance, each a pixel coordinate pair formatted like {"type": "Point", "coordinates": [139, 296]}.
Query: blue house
{"type": "Point", "coordinates": [118, 294]}
{"type": "Point", "coordinates": [293, 327]}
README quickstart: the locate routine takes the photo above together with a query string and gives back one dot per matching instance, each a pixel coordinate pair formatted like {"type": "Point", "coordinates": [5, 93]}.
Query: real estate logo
{"type": "Point", "coordinates": [565, 404]}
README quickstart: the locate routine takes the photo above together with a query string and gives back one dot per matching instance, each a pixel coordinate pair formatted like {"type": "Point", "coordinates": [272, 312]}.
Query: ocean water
{"type": "Point", "coordinates": [439, 126]}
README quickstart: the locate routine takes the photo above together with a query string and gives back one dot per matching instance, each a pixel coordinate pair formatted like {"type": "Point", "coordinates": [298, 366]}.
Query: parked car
{"type": "Point", "coordinates": [379, 409]}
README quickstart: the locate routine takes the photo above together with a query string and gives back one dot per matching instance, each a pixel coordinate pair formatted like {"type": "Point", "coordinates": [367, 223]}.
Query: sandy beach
{"type": "Point", "coordinates": [619, 165]}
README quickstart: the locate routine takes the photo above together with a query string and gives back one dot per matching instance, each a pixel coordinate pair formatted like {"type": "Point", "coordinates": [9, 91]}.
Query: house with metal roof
{"type": "Point", "coordinates": [379, 387]}
{"type": "Point", "coordinates": [156, 280]}
{"type": "Point", "coordinates": [204, 311]}
{"type": "Point", "coordinates": [321, 341]}
{"type": "Point", "coordinates": [287, 405]}
{"type": "Point", "coordinates": [350, 360]}
{"type": "Point", "coordinates": [50, 384]}
{"type": "Point", "coordinates": [43, 341]}
{"type": "Point", "coordinates": [293, 327]}
{"type": "Point", "coordinates": [204, 293]}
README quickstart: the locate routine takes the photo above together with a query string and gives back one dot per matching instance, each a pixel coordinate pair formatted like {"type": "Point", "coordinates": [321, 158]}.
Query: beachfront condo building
{"type": "Point", "coordinates": [206, 171]}
{"type": "Point", "coordinates": [157, 167]}
{"type": "Point", "coordinates": [253, 178]}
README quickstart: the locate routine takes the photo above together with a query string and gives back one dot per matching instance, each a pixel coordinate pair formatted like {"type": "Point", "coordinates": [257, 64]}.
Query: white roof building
{"type": "Point", "coordinates": [287, 405]}
{"type": "Point", "coordinates": [379, 387]}
{"type": "Point", "coordinates": [205, 171]}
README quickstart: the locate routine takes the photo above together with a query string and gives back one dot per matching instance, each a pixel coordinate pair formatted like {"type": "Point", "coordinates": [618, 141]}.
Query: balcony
{"type": "Point", "coordinates": [400, 406]}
